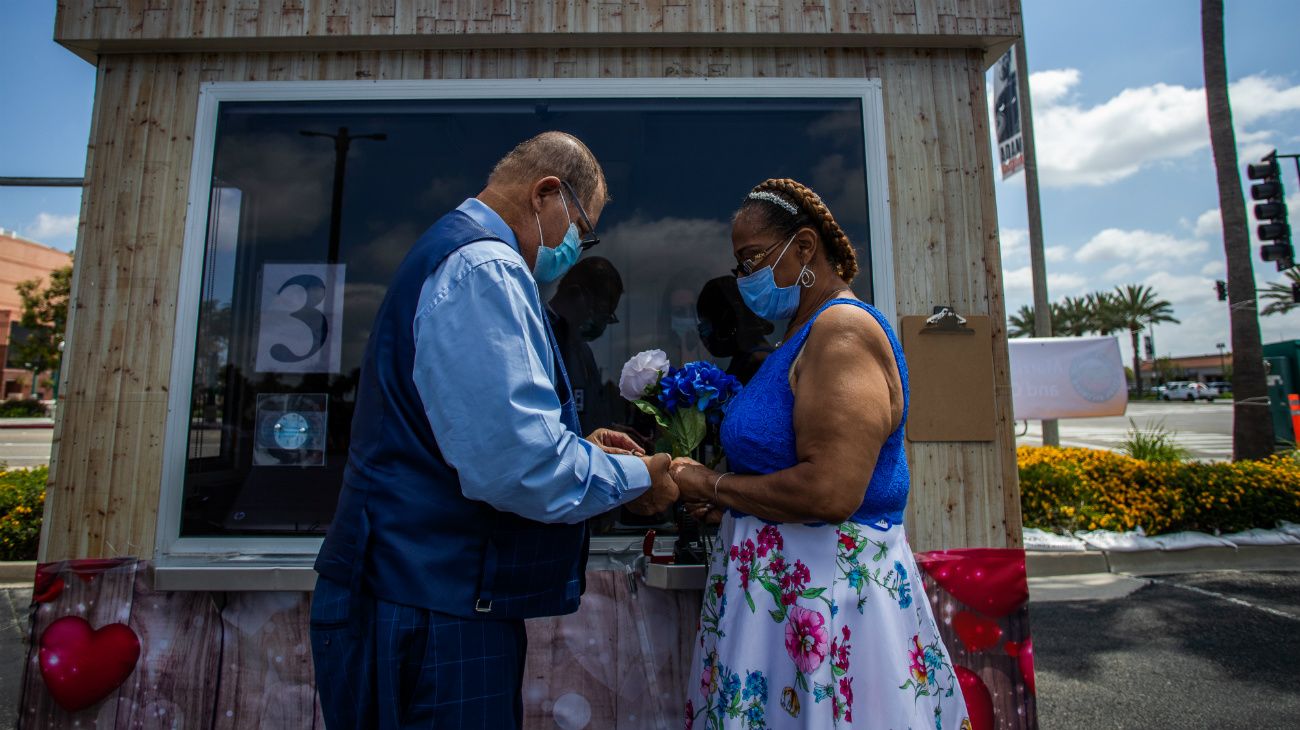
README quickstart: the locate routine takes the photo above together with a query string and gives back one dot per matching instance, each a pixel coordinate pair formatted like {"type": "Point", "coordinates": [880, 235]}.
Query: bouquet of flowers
{"type": "Point", "coordinates": [684, 401]}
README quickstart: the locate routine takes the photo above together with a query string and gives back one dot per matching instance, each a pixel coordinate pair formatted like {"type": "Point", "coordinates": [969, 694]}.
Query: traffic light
{"type": "Point", "coordinates": [1221, 288]}
{"type": "Point", "coordinates": [1271, 212]}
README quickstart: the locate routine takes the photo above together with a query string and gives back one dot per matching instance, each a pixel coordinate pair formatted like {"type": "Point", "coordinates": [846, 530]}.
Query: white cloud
{"type": "Point", "coordinates": [1180, 288]}
{"type": "Point", "coordinates": [1014, 242]}
{"type": "Point", "coordinates": [1118, 271]}
{"type": "Point", "coordinates": [52, 225]}
{"type": "Point", "coordinates": [1208, 225]}
{"type": "Point", "coordinates": [1049, 87]}
{"type": "Point", "coordinates": [1144, 247]}
{"type": "Point", "coordinates": [1255, 97]}
{"type": "Point", "coordinates": [1213, 268]}
{"type": "Point", "coordinates": [1021, 282]}
{"type": "Point", "coordinates": [1099, 144]}
{"type": "Point", "coordinates": [1056, 254]}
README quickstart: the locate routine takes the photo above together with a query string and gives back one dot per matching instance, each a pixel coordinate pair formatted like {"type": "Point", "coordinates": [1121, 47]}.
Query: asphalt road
{"type": "Point", "coordinates": [25, 446]}
{"type": "Point", "coordinates": [1205, 650]}
{"type": "Point", "coordinates": [1204, 429]}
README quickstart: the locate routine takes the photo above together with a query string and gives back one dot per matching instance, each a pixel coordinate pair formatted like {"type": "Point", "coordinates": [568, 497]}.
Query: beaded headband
{"type": "Point", "coordinates": [776, 200]}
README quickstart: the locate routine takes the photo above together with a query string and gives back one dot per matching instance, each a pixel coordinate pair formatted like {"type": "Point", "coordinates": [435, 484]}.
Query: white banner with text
{"type": "Point", "coordinates": [1067, 377]}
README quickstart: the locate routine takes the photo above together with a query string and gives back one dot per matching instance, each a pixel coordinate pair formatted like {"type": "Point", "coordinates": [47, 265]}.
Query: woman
{"type": "Point", "coordinates": [814, 615]}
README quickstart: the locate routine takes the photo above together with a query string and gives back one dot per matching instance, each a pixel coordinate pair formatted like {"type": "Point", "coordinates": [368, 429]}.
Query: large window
{"type": "Point", "coordinates": [311, 203]}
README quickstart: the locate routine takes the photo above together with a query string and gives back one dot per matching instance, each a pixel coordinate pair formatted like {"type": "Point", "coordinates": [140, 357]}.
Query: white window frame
{"type": "Point", "coordinates": [223, 554]}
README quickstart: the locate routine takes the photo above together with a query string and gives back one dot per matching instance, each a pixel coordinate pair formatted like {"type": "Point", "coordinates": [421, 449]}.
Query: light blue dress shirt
{"type": "Point", "coordinates": [485, 374]}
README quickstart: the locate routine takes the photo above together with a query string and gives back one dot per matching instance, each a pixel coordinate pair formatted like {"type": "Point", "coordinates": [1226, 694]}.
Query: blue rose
{"type": "Point", "coordinates": [700, 385]}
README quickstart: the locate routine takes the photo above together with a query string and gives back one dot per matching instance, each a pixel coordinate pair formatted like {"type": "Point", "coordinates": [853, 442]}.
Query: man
{"type": "Point", "coordinates": [467, 485]}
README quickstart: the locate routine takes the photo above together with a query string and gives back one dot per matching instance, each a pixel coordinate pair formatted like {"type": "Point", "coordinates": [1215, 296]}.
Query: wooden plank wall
{"type": "Point", "coordinates": [101, 23]}
{"type": "Point", "coordinates": [106, 473]}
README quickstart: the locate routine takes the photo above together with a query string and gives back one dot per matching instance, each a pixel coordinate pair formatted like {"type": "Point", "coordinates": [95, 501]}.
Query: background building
{"type": "Point", "coordinates": [21, 260]}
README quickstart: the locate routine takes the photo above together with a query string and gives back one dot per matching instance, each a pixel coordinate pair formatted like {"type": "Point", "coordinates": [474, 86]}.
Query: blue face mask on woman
{"type": "Point", "coordinates": [764, 297]}
{"type": "Point", "coordinates": [552, 263]}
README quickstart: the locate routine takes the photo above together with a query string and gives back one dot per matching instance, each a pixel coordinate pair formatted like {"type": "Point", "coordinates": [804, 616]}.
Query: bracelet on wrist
{"type": "Point", "coordinates": [716, 482]}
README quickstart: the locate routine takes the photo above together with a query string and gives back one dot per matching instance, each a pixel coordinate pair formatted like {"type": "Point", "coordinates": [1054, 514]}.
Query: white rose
{"type": "Point", "coordinates": [641, 372]}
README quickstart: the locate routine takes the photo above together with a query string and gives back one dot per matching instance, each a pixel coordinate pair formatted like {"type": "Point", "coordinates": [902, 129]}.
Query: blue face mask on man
{"type": "Point", "coordinates": [552, 263]}
{"type": "Point", "coordinates": [764, 297]}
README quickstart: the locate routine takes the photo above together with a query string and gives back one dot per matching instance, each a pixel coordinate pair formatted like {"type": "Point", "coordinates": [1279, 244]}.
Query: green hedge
{"type": "Point", "coordinates": [1088, 489]}
{"type": "Point", "coordinates": [22, 504]}
{"type": "Point", "coordinates": [25, 408]}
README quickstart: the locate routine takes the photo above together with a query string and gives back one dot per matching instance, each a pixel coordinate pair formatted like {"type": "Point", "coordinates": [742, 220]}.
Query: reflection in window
{"type": "Point", "coordinates": [282, 328]}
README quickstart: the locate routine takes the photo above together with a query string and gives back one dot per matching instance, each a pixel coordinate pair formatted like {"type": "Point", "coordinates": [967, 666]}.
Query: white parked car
{"type": "Point", "coordinates": [1181, 390]}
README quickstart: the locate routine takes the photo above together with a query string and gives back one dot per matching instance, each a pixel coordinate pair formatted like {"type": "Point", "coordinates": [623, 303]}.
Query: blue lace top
{"type": "Point", "coordinates": [758, 428]}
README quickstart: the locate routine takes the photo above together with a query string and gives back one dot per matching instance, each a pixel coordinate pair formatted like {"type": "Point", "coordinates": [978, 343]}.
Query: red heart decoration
{"type": "Point", "coordinates": [976, 632]}
{"type": "Point", "coordinates": [82, 666]}
{"type": "Point", "coordinates": [48, 583]}
{"type": "Point", "coordinates": [978, 703]}
{"type": "Point", "coordinates": [1012, 649]}
{"type": "Point", "coordinates": [989, 580]}
{"type": "Point", "coordinates": [1026, 659]}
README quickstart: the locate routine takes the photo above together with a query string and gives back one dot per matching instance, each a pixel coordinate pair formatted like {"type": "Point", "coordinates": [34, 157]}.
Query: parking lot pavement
{"type": "Point", "coordinates": [1200, 650]}
{"type": "Point", "coordinates": [14, 601]}
{"type": "Point", "coordinates": [24, 447]}
{"type": "Point", "coordinates": [1204, 429]}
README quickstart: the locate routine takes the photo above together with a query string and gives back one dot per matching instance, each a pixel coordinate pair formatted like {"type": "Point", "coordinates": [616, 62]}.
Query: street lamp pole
{"type": "Point", "coordinates": [342, 140]}
{"type": "Point", "coordinates": [58, 371]}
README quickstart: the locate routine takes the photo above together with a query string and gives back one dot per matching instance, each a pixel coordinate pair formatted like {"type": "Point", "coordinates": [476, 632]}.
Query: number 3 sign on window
{"type": "Point", "coordinates": [301, 317]}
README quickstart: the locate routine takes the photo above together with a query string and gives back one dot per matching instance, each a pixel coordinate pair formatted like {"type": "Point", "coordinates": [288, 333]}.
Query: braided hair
{"type": "Point", "coordinates": [809, 210]}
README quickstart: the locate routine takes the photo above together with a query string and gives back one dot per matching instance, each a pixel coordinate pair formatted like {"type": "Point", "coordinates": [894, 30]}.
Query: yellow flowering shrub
{"type": "Point", "coordinates": [22, 505]}
{"type": "Point", "coordinates": [1089, 489]}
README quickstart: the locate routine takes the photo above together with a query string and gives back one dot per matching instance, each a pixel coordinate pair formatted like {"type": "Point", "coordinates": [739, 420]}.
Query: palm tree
{"type": "Point", "coordinates": [1139, 307]}
{"type": "Point", "coordinates": [1021, 324]}
{"type": "Point", "coordinates": [1279, 296]}
{"type": "Point", "coordinates": [1071, 317]}
{"type": "Point", "coordinates": [1252, 426]}
{"type": "Point", "coordinates": [1104, 315]}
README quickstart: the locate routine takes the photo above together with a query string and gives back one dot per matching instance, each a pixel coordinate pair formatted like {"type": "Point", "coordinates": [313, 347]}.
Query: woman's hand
{"type": "Point", "coordinates": [613, 442]}
{"type": "Point", "coordinates": [705, 513]}
{"type": "Point", "coordinates": [694, 480]}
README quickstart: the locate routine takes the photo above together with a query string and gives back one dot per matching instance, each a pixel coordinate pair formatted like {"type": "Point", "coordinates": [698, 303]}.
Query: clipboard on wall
{"type": "Point", "coordinates": [950, 373]}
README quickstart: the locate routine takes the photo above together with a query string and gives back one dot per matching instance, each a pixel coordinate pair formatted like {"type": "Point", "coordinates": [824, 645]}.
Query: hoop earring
{"type": "Point", "coordinates": [807, 278]}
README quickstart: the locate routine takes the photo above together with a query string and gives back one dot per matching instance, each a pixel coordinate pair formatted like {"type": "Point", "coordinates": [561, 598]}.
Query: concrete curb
{"type": "Point", "coordinates": [26, 423]}
{"type": "Point", "coordinates": [1041, 564]}
{"type": "Point", "coordinates": [18, 572]}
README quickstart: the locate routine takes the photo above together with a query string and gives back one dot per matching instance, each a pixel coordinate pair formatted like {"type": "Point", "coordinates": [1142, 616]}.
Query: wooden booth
{"type": "Point", "coordinates": [256, 170]}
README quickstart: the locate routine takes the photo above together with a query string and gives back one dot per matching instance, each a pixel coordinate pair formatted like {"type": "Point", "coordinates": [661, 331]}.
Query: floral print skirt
{"type": "Point", "coordinates": [818, 626]}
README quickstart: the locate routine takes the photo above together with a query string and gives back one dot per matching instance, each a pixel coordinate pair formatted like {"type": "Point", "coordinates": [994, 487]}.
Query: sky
{"type": "Point", "coordinates": [1128, 189]}
{"type": "Point", "coordinates": [1128, 186]}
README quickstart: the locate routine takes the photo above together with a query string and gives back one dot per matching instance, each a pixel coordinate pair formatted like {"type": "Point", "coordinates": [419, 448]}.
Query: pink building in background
{"type": "Point", "coordinates": [21, 260]}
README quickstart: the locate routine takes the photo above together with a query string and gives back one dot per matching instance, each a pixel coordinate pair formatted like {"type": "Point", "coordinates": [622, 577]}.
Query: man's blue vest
{"type": "Point", "coordinates": [403, 530]}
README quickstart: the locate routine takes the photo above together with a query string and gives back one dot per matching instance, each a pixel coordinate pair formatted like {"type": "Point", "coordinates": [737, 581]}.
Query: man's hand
{"type": "Point", "coordinates": [663, 490]}
{"type": "Point", "coordinates": [694, 480]}
{"type": "Point", "coordinates": [613, 442]}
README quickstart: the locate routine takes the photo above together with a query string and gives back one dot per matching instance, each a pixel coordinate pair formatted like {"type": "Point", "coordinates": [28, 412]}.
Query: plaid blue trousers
{"type": "Point", "coordinates": [389, 666]}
